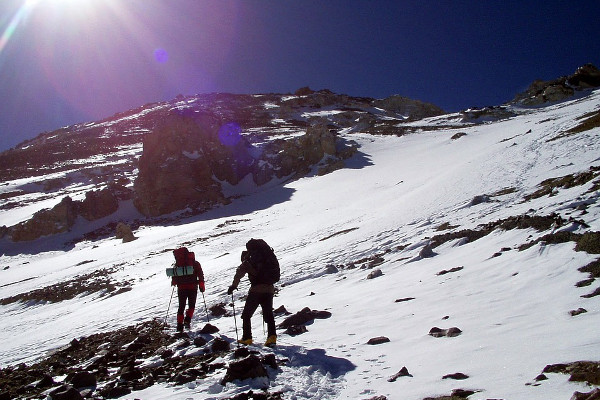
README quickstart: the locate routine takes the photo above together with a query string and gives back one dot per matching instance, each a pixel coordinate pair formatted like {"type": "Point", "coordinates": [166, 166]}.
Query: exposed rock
{"type": "Point", "coordinates": [580, 371]}
{"type": "Point", "coordinates": [399, 374]}
{"type": "Point", "coordinates": [281, 310]}
{"type": "Point", "coordinates": [376, 273]}
{"type": "Point", "coordinates": [295, 330]}
{"type": "Point", "coordinates": [449, 271]}
{"type": "Point", "coordinates": [414, 109]}
{"type": "Point", "coordinates": [438, 332]}
{"type": "Point", "coordinates": [124, 232]}
{"type": "Point", "coordinates": [456, 376]}
{"type": "Point", "coordinates": [539, 92]}
{"type": "Point", "coordinates": [577, 312]}
{"type": "Point", "coordinates": [304, 316]}
{"type": "Point", "coordinates": [378, 340]}
{"type": "Point", "coordinates": [484, 198]}
{"type": "Point", "coordinates": [246, 368]}
{"type": "Point", "coordinates": [66, 392]}
{"type": "Point", "coordinates": [404, 299]}
{"type": "Point", "coordinates": [180, 158]}
{"type": "Point", "coordinates": [45, 222]}
{"type": "Point", "coordinates": [189, 155]}
{"type": "Point", "coordinates": [427, 252]}
{"type": "Point", "coordinates": [209, 329]}
{"type": "Point", "coordinates": [487, 114]}
{"type": "Point", "coordinates": [82, 379]}
{"type": "Point", "coordinates": [219, 345]}
{"type": "Point", "coordinates": [98, 204]}
{"type": "Point", "coordinates": [593, 395]}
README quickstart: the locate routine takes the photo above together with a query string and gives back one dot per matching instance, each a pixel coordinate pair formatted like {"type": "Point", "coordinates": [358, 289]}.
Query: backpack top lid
{"type": "Point", "coordinates": [181, 256]}
{"type": "Point", "coordinates": [263, 258]}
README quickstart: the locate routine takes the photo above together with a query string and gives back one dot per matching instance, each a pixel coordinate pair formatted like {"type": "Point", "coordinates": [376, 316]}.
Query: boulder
{"type": "Point", "coordinates": [403, 372]}
{"type": "Point", "coordinates": [124, 232]}
{"type": "Point", "coordinates": [82, 379]}
{"type": "Point", "coordinates": [304, 316]}
{"type": "Point", "coordinates": [98, 204]}
{"type": "Point", "coordinates": [246, 368]}
{"type": "Point", "coordinates": [45, 222]}
{"type": "Point", "coordinates": [378, 340]}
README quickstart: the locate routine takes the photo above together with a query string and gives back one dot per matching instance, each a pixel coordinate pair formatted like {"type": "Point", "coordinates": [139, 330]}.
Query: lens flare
{"type": "Point", "coordinates": [230, 134]}
{"type": "Point", "coordinates": [21, 14]}
{"type": "Point", "coordinates": [161, 56]}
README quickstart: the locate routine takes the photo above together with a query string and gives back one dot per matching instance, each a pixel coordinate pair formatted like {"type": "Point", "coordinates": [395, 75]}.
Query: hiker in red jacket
{"type": "Point", "coordinates": [187, 286]}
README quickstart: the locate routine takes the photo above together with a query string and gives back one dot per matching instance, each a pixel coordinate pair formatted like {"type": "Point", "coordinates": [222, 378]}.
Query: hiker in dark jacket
{"type": "Point", "coordinates": [259, 294]}
{"type": "Point", "coordinates": [187, 291]}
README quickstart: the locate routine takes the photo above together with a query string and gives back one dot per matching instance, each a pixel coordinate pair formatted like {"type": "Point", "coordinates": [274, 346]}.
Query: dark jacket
{"type": "Point", "coordinates": [247, 268]}
{"type": "Point", "coordinates": [190, 281]}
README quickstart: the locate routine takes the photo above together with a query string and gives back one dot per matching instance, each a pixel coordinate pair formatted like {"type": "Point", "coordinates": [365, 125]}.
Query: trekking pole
{"type": "Point", "coordinates": [235, 321]}
{"type": "Point", "coordinates": [205, 308]}
{"type": "Point", "coordinates": [170, 300]}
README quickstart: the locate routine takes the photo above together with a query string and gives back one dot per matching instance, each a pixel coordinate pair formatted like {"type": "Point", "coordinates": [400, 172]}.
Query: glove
{"type": "Point", "coordinates": [201, 286]}
{"type": "Point", "coordinates": [230, 290]}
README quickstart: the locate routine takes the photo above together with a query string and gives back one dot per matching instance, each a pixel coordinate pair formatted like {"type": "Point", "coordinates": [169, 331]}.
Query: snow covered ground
{"type": "Point", "coordinates": [512, 306]}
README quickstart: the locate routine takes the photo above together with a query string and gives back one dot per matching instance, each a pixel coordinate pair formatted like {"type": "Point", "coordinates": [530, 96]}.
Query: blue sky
{"type": "Point", "coordinates": [69, 61]}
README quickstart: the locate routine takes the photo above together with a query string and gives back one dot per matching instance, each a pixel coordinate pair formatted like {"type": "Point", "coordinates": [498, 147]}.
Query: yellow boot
{"type": "Point", "coordinates": [271, 340]}
{"type": "Point", "coordinates": [247, 342]}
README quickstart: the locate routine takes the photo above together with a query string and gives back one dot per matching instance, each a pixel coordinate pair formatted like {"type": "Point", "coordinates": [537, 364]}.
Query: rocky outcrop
{"type": "Point", "coordinates": [98, 204]}
{"type": "Point", "coordinates": [61, 218]}
{"type": "Point", "coordinates": [182, 163]}
{"type": "Point", "coordinates": [46, 222]}
{"type": "Point", "coordinates": [124, 232]}
{"type": "Point", "coordinates": [412, 109]}
{"type": "Point", "coordinates": [540, 92]}
{"type": "Point", "coordinates": [189, 157]}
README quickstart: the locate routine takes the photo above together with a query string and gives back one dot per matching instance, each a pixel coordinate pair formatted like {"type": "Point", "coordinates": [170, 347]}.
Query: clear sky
{"type": "Point", "coordinates": [69, 61]}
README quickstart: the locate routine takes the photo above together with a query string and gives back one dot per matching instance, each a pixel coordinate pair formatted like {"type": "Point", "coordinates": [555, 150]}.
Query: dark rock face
{"type": "Point", "coordinates": [98, 204]}
{"type": "Point", "coordinates": [190, 155]}
{"type": "Point", "coordinates": [539, 92]}
{"type": "Point", "coordinates": [416, 109]}
{"type": "Point", "coordinates": [178, 163]}
{"type": "Point", "coordinates": [47, 222]}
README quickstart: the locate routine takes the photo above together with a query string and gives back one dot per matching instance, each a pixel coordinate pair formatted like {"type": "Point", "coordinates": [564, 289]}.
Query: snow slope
{"type": "Point", "coordinates": [513, 309]}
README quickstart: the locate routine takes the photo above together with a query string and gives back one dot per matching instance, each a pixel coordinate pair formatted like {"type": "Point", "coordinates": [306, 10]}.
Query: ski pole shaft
{"type": "Point", "coordinates": [168, 308]}
{"type": "Point", "coordinates": [235, 321]}
{"type": "Point", "coordinates": [205, 308]}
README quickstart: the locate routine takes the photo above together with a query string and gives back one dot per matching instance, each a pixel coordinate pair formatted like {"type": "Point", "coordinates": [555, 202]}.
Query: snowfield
{"type": "Point", "coordinates": [511, 305]}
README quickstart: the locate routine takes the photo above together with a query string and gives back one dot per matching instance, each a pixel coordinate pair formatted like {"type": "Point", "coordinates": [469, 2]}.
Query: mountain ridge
{"type": "Point", "coordinates": [456, 261]}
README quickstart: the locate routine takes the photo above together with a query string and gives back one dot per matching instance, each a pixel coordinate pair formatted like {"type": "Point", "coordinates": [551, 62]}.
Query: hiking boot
{"type": "Point", "coordinates": [247, 342]}
{"type": "Point", "coordinates": [179, 327]}
{"type": "Point", "coordinates": [186, 322]}
{"type": "Point", "coordinates": [271, 340]}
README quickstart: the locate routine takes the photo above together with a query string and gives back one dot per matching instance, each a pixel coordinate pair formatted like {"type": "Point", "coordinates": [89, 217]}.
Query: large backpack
{"type": "Point", "coordinates": [263, 259]}
{"type": "Point", "coordinates": [184, 264]}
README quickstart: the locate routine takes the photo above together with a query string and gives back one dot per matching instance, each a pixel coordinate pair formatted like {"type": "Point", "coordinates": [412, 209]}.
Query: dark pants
{"type": "Point", "coordinates": [265, 300]}
{"type": "Point", "coordinates": [186, 296]}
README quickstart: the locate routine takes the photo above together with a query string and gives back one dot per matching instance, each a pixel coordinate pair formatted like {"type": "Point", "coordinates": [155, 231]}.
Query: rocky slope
{"type": "Point", "coordinates": [190, 154]}
{"type": "Point", "coordinates": [198, 152]}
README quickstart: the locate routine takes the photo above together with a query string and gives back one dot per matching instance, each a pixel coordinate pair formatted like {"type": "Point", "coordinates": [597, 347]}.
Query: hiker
{"type": "Point", "coordinates": [187, 286]}
{"type": "Point", "coordinates": [262, 275]}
